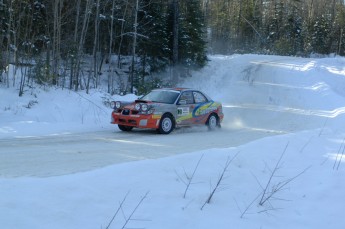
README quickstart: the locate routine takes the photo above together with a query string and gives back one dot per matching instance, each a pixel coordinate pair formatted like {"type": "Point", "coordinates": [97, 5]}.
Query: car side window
{"type": "Point", "coordinates": [199, 98]}
{"type": "Point", "coordinates": [188, 97]}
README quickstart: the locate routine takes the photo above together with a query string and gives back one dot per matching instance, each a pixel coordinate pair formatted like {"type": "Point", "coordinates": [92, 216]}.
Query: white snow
{"type": "Point", "coordinates": [301, 100]}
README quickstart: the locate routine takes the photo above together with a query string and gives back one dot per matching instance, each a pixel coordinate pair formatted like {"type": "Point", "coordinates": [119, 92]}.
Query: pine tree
{"type": "Point", "coordinates": [152, 44]}
{"type": "Point", "coordinates": [192, 48]}
{"type": "Point", "coordinates": [246, 33]}
{"type": "Point", "coordinates": [3, 29]}
{"type": "Point", "coordinates": [320, 35]}
{"type": "Point", "coordinates": [290, 39]}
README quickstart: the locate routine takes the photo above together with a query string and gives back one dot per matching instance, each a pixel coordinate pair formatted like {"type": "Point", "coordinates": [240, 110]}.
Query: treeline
{"type": "Point", "coordinates": [68, 43]}
{"type": "Point", "coordinates": [283, 27]}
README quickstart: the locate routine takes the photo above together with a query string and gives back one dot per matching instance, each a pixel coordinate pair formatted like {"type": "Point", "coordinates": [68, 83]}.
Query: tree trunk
{"type": "Point", "coordinates": [74, 57]}
{"type": "Point", "coordinates": [340, 41]}
{"type": "Point", "coordinates": [82, 40]}
{"type": "Point", "coordinates": [94, 51]}
{"type": "Point", "coordinates": [58, 4]}
{"type": "Point", "coordinates": [121, 37]}
{"type": "Point", "coordinates": [110, 70]}
{"type": "Point", "coordinates": [175, 41]}
{"type": "Point", "coordinates": [8, 49]}
{"type": "Point", "coordinates": [134, 44]}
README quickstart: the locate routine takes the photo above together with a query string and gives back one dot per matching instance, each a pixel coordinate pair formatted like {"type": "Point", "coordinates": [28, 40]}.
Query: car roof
{"type": "Point", "coordinates": [180, 90]}
{"type": "Point", "coordinates": [174, 89]}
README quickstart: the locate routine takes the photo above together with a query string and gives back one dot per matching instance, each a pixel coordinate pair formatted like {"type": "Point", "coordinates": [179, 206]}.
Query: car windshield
{"type": "Point", "coordinates": [162, 96]}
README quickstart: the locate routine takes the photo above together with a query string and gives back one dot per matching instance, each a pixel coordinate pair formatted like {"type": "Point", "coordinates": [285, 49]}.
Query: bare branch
{"type": "Point", "coordinates": [220, 179]}
{"type": "Point", "coordinates": [117, 211]}
{"type": "Point", "coordinates": [191, 178]}
{"type": "Point", "coordinates": [263, 199]}
{"type": "Point", "coordinates": [306, 144]}
{"type": "Point", "coordinates": [134, 210]}
{"type": "Point", "coordinates": [271, 190]}
{"type": "Point", "coordinates": [250, 205]}
{"type": "Point", "coordinates": [339, 156]}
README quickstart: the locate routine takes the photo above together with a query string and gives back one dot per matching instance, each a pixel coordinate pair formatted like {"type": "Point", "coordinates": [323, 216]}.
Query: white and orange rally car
{"type": "Point", "coordinates": [165, 109]}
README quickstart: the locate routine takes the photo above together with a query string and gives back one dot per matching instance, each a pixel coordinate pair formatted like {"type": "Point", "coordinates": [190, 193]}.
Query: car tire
{"type": "Point", "coordinates": [166, 124]}
{"type": "Point", "coordinates": [212, 122]}
{"type": "Point", "coordinates": [125, 128]}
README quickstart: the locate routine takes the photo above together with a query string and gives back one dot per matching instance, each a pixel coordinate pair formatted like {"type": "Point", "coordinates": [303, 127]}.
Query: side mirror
{"type": "Point", "coordinates": [182, 102]}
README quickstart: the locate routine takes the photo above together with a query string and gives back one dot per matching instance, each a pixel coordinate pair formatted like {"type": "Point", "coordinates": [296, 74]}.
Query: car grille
{"type": "Point", "coordinates": [126, 112]}
{"type": "Point", "coordinates": [130, 121]}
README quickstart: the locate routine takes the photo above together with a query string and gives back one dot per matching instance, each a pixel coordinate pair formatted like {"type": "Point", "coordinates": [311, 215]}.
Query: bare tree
{"type": "Point", "coordinates": [175, 40]}
{"type": "Point", "coordinates": [24, 30]}
{"type": "Point", "coordinates": [56, 44]}
{"type": "Point", "coordinates": [73, 77]}
{"type": "Point", "coordinates": [121, 35]}
{"type": "Point", "coordinates": [8, 49]}
{"type": "Point", "coordinates": [134, 44]}
{"type": "Point", "coordinates": [110, 70]}
{"type": "Point", "coordinates": [87, 13]}
{"type": "Point", "coordinates": [94, 52]}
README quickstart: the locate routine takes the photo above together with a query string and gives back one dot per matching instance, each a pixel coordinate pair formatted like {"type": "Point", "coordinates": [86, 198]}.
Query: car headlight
{"type": "Point", "coordinates": [144, 107]}
{"type": "Point", "coordinates": [112, 104]}
{"type": "Point", "coordinates": [117, 104]}
{"type": "Point", "coordinates": [137, 106]}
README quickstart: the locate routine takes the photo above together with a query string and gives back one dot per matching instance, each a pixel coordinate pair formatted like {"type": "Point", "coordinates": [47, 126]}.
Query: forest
{"type": "Point", "coordinates": [137, 45]}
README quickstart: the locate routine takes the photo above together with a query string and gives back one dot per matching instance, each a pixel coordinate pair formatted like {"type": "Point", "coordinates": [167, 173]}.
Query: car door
{"type": "Point", "coordinates": [185, 108]}
{"type": "Point", "coordinates": [201, 108]}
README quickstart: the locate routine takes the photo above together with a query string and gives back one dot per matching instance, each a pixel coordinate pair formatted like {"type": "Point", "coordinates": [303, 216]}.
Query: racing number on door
{"type": "Point", "coordinates": [185, 108]}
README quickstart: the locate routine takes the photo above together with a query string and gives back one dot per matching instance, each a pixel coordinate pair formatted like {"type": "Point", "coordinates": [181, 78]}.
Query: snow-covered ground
{"type": "Point", "coordinates": [294, 179]}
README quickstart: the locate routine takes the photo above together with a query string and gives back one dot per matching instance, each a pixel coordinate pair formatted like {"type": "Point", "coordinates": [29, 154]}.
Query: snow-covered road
{"type": "Point", "coordinates": [71, 153]}
{"type": "Point", "coordinates": [67, 153]}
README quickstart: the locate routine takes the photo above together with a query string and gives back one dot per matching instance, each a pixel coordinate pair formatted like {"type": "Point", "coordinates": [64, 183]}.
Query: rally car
{"type": "Point", "coordinates": [168, 108]}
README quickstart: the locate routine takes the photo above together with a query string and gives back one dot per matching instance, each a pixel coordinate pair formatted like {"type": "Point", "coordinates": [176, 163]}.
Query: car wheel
{"type": "Point", "coordinates": [125, 128]}
{"type": "Point", "coordinates": [212, 122]}
{"type": "Point", "coordinates": [166, 124]}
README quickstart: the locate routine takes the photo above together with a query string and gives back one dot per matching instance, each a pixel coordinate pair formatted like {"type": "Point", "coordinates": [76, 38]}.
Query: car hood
{"type": "Point", "coordinates": [131, 105]}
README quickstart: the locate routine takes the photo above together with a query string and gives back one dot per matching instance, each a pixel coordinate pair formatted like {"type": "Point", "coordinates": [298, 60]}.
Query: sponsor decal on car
{"type": "Point", "coordinates": [205, 109]}
{"type": "Point", "coordinates": [183, 111]}
{"type": "Point", "coordinates": [156, 116]}
{"type": "Point", "coordinates": [199, 111]}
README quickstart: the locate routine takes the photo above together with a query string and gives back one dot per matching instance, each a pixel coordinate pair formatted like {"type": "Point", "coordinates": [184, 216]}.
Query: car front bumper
{"type": "Point", "coordinates": [139, 121]}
